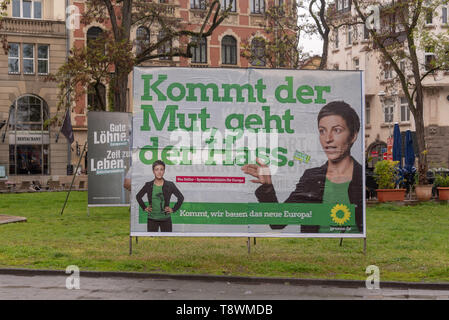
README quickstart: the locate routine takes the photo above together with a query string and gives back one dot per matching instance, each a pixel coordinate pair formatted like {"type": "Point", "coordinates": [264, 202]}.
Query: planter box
{"type": "Point", "coordinates": [443, 193]}
{"type": "Point", "coordinates": [385, 195]}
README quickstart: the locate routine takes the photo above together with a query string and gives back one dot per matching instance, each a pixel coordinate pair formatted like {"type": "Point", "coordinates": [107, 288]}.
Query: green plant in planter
{"type": "Point", "coordinates": [386, 174]}
{"type": "Point", "coordinates": [441, 180]}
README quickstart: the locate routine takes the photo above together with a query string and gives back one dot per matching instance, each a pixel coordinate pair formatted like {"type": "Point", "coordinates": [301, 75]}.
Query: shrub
{"type": "Point", "coordinates": [441, 180]}
{"type": "Point", "coordinates": [386, 174]}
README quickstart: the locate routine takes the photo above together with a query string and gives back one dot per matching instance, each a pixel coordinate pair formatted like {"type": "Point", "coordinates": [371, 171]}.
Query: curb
{"type": "Point", "coordinates": [236, 279]}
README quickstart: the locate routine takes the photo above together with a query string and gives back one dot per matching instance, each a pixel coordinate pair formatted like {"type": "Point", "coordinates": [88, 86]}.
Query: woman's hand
{"type": "Point", "coordinates": [261, 172]}
{"type": "Point", "coordinates": [149, 209]}
{"type": "Point", "coordinates": [168, 210]}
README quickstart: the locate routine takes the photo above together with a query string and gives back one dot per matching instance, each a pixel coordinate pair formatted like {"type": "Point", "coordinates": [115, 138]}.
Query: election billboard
{"type": "Point", "coordinates": [247, 152]}
{"type": "Point", "coordinates": [109, 155]}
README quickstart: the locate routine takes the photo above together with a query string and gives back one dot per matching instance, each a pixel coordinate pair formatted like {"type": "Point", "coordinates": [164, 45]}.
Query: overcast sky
{"type": "Point", "coordinates": [314, 46]}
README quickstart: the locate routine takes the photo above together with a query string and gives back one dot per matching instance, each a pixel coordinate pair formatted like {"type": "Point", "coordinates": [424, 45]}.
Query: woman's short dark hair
{"type": "Point", "coordinates": [344, 110]}
{"type": "Point", "coordinates": [158, 163]}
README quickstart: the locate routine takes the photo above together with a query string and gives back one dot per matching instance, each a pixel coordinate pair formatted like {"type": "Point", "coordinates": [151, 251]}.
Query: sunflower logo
{"type": "Point", "coordinates": [338, 218]}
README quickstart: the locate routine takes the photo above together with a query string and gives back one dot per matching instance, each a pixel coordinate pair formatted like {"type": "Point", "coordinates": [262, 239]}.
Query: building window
{"type": "Point", "coordinates": [405, 110]}
{"type": "Point", "coordinates": [31, 9]}
{"type": "Point", "coordinates": [280, 8]}
{"type": "Point", "coordinates": [367, 113]}
{"type": "Point", "coordinates": [28, 141]}
{"type": "Point", "coordinates": [365, 33]}
{"type": "Point", "coordinates": [142, 39]}
{"type": "Point", "coordinates": [42, 59]}
{"type": "Point", "coordinates": [258, 6]}
{"type": "Point", "coordinates": [444, 15]}
{"type": "Point", "coordinates": [402, 66]}
{"type": "Point", "coordinates": [258, 52]}
{"type": "Point", "coordinates": [356, 64]}
{"type": "Point", "coordinates": [93, 34]}
{"type": "Point", "coordinates": [337, 40]}
{"type": "Point", "coordinates": [226, 3]}
{"type": "Point", "coordinates": [28, 58]}
{"type": "Point", "coordinates": [199, 53]}
{"type": "Point", "coordinates": [429, 16]}
{"type": "Point", "coordinates": [429, 57]}
{"type": "Point", "coordinates": [165, 47]}
{"type": "Point", "coordinates": [388, 72]}
{"type": "Point", "coordinates": [339, 4]}
{"type": "Point", "coordinates": [388, 110]}
{"type": "Point", "coordinates": [14, 58]}
{"type": "Point", "coordinates": [343, 5]}
{"type": "Point", "coordinates": [349, 36]}
{"type": "Point", "coordinates": [229, 50]}
{"type": "Point", "coordinates": [198, 4]}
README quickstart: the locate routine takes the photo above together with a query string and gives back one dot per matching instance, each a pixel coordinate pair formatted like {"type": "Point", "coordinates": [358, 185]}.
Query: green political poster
{"type": "Point", "coordinates": [247, 152]}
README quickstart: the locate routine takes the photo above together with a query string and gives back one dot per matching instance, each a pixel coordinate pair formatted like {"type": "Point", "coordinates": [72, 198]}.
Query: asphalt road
{"type": "Point", "coordinates": [54, 287]}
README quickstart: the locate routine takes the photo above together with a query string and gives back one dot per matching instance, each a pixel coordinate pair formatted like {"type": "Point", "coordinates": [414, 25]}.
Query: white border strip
{"type": "Point", "coordinates": [246, 235]}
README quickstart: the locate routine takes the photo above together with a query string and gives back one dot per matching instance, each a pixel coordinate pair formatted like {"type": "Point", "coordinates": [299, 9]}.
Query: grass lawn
{"type": "Point", "coordinates": [406, 243]}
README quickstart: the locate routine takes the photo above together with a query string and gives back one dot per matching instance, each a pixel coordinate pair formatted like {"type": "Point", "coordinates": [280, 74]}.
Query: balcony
{"type": "Point", "coordinates": [33, 27]}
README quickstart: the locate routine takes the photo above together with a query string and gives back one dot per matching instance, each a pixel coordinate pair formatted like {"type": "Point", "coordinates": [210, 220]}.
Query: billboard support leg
{"type": "Point", "coordinates": [248, 243]}
{"type": "Point", "coordinates": [341, 242]}
{"type": "Point", "coordinates": [254, 240]}
{"type": "Point", "coordinates": [130, 245]}
{"type": "Point", "coordinates": [74, 176]}
{"type": "Point", "coordinates": [364, 246]}
{"type": "Point", "coordinates": [137, 240]}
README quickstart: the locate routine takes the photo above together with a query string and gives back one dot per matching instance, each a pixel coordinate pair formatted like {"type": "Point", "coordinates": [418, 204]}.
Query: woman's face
{"type": "Point", "coordinates": [335, 137]}
{"type": "Point", "coordinates": [159, 171]}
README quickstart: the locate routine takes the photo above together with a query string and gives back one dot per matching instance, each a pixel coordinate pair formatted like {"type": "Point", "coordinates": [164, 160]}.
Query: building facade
{"type": "Point", "coordinates": [385, 102]}
{"type": "Point", "coordinates": [37, 39]}
{"type": "Point", "coordinates": [221, 50]}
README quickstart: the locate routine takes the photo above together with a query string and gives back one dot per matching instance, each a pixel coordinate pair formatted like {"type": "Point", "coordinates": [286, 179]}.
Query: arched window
{"type": "Point", "coordinates": [28, 136]}
{"type": "Point", "coordinates": [142, 39]}
{"type": "Point", "coordinates": [229, 50]}
{"type": "Point", "coordinates": [96, 97]}
{"type": "Point", "coordinates": [258, 52]}
{"type": "Point", "coordinates": [199, 53]}
{"type": "Point", "coordinates": [375, 152]}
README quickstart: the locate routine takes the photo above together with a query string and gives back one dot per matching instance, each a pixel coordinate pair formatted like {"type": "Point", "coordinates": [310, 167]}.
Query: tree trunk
{"type": "Point", "coordinates": [323, 62]}
{"type": "Point", "coordinates": [422, 152]}
{"type": "Point", "coordinates": [120, 92]}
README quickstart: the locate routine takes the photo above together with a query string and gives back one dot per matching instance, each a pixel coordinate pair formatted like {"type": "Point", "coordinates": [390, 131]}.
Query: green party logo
{"type": "Point", "coordinates": [340, 214]}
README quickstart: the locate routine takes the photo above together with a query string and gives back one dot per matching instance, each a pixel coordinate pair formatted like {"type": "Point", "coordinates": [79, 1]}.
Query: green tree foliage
{"type": "Point", "coordinates": [401, 40]}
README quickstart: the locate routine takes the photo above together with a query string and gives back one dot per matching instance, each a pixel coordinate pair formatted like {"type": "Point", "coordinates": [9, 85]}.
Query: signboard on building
{"type": "Point", "coordinates": [28, 137]}
{"type": "Point", "coordinates": [109, 136]}
{"type": "Point", "coordinates": [247, 152]}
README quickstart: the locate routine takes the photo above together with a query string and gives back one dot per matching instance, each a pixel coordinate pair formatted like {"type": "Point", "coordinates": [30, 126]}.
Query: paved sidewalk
{"type": "Point", "coordinates": [11, 219]}
{"type": "Point", "coordinates": [41, 287]}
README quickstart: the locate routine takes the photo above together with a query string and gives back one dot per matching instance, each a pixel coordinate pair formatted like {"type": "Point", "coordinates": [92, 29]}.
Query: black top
{"type": "Point", "coordinates": [310, 189]}
{"type": "Point", "coordinates": [168, 189]}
